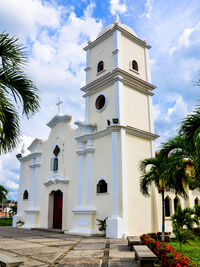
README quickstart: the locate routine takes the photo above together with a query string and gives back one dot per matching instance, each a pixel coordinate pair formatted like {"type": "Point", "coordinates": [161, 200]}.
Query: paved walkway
{"type": "Point", "coordinates": [38, 248]}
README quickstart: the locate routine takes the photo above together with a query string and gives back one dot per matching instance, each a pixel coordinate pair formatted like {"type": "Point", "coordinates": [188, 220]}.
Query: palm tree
{"type": "Point", "coordinates": [190, 129]}
{"type": "Point", "coordinates": [165, 175]}
{"type": "Point", "coordinates": [3, 193]}
{"type": "Point", "coordinates": [183, 217]}
{"type": "Point", "coordinates": [15, 87]}
{"type": "Point", "coordinates": [182, 149]}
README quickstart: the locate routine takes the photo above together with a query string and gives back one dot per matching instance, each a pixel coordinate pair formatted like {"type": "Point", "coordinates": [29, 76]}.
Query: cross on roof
{"type": "Point", "coordinates": [59, 105]}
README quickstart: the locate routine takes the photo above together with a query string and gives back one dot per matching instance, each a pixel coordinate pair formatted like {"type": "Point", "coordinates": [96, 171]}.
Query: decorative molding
{"type": "Point", "coordinates": [89, 150]}
{"type": "Point", "coordinates": [31, 156]}
{"type": "Point", "coordinates": [80, 151]}
{"type": "Point", "coordinates": [115, 51]}
{"type": "Point", "coordinates": [135, 71]}
{"type": "Point", "coordinates": [115, 128]}
{"type": "Point", "coordinates": [56, 179]}
{"type": "Point", "coordinates": [36, 142]}
{"type": "Point", "coordinates": [118, 74]}
{"type": "Point", "coordinates": [87, 69]}
{"type": "Point", "coordinates": [110, 32]}
{"type": "Point", "coordinates": [32, 211]}
{"type": "Point", "coordinates": [141, 133]}
{"type": "Point", "coordinates": [59, 119]}
{"type": "Point", "coordinates": [34, 165]}
{"type": "Point", "coordinates": [105, 105]}
{"type": "Point", "coordinates": [84, 210]}
{"type": "Point", "coordinates": [86, 126]}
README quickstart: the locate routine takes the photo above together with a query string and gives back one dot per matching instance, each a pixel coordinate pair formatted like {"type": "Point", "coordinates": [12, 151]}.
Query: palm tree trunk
{"type": "Point", "coordinates": [163, 215]}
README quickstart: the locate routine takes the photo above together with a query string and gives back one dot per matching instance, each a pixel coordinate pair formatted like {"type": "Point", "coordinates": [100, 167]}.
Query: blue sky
{"type": "Point", "coordinates": [55, 32]}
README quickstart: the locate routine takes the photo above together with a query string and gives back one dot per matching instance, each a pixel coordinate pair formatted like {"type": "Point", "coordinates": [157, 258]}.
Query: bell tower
{"type": "Point", "coordinates": [118, 80]}
{"type": "Point", "coordinates": [117, 132]}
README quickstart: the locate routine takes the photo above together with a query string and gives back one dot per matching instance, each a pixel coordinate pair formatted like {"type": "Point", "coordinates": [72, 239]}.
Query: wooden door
{"type": "Point", "coordinates": [57, 210]}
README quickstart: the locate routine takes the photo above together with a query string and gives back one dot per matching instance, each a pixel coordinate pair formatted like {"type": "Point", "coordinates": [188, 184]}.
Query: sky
{"type": "Point", "coordinates": [54, 33]}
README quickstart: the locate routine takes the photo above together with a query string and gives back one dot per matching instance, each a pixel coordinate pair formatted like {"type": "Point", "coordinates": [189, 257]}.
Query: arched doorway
{"type": "Point", "coordinates": [55, 209]}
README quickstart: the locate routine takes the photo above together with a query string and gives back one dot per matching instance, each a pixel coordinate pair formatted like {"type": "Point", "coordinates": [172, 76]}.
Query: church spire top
{"type": "Point", "coordinates": [116, 19]}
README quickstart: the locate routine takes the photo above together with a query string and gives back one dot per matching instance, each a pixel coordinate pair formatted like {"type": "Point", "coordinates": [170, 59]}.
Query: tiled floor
{"type": "Point", "coordinates": [38, 248]}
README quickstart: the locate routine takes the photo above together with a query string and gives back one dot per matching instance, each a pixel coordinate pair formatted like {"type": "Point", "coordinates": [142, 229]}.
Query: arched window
{"type": "Point", "coordinates": [100, 66]}
{"type": "Point", "coordinates": [102, 186]}
{"type": "Point", "coordinates": [55, 164]}
{"type": "Point", "coordinates": [134, 65]}
{"type": "Point", "coordinates": [54, 160]}
{"type": "Point", "coordinates": [25, 195]}
{"type": "Point", "coordinates": [176, 201]}
{"type": "Point", "coordinates": [196, 201]}
{"type": "Point", "coordinates": [167, 206]}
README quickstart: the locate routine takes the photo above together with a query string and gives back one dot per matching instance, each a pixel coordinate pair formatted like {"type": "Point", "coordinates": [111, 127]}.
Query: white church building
{"type": "Point", "coordinates": [79, 175]}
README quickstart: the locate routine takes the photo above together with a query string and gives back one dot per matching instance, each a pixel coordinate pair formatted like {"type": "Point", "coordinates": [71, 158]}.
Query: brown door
{"type": "Point", "coordinates": [57, 210]}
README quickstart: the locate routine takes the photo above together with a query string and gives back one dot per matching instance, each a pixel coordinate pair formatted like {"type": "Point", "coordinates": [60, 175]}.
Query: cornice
{"type": "Point", "coordinates": [141, 133]}
{"type": "Point", "coordinates": [59, 119]}
{"type": "Point", "coordinates": [116, 128]}
{"type": "Point", "coordinates": [30, 156]}
{"type": "Point", "coordinates": [118, 75]}
{"type": "Point", "coordinates": [84, 210]}
{"type": "Point", "coordinates": [110, 32]}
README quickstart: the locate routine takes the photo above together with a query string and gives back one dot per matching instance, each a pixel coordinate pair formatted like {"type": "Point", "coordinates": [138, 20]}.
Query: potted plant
{"type": "Point", "coordinates": [102, 225]}
{"type": "Point", "coordinates": [20, 223]}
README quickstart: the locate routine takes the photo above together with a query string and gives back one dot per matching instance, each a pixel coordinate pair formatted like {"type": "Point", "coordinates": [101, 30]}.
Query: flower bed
{"type": "Point", "coordinates": [166, 254]}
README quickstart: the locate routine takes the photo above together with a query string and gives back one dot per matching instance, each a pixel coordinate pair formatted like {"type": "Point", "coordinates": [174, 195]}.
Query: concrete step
{"type": "Point", "coordinates": [50, 230]}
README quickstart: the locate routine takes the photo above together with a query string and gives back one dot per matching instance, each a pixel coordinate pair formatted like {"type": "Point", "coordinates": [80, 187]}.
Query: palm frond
{"type": "Point", "coordinates": [9, 125]}
{"type": "Point", "coordinates": [23, 89]}
{"type": "Point", "coordinates": [11, 52]}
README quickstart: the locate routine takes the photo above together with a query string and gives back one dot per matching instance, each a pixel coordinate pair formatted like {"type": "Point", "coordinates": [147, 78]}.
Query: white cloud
{"type": "Point", "coordinates": [9, 167]}
{"type": "Point", "coordinates": [179, 108]}
{"type": "Point", "coordinates": [25, 17]}
{"type": "Point", "coordinates": [117, 6]}
{"type": "Point", "coordinates": [148, 9]}
{"type": "Point", "coordinates": [185, 39]}
{"type": "Point", "coordinates": [55, 38]}
{"type": "Point", "coordinates": [156, 111]}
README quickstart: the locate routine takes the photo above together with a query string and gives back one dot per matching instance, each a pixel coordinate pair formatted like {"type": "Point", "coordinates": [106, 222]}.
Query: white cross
{"type": "Point", "coordinates": [59, 105]}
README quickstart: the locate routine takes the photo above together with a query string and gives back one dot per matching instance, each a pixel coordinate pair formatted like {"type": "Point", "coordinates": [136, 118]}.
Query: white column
{"type": "Point", "coordinates": [89, 151]}
{"type": "Point", "coordinates": [87, 69]}
{"type": "Point", "coordinates": [116, 49]}
{"type": "Point", "coordinates": [119, 109]}
{"type": "Point", "coordinates": [115, 174]}
{"type": "Point", "coordinates": [87, 108]}
{"type": "Point", "coordinates": [80, 153]}
{"type": "Point", "coordinates": [20, 192]}
{"type": "Point", "coordinates": [148, 77]}
{"type": "Point", "coordinates": [147, 65]}
{"type": "Point", "coordinates": [31, 187]}
{"type": "Point", "coordinates": [124, 181]}
{"type": "Point", "coordinates": [36, 180]}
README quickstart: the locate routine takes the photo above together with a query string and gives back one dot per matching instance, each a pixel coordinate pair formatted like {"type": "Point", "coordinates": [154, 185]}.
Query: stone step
{"type": "Point", "coordinates": [8, 261]}
{"type": "Point", "coordinates": [50, 230]}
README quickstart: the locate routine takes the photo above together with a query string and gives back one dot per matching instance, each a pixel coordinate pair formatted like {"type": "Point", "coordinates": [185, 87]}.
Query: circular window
{"type": "Point", "coordinates": [100, 102]}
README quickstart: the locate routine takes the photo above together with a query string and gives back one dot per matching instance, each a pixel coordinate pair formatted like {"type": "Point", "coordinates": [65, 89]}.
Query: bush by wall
{"type": "Point", "coordinates": [166, 254]}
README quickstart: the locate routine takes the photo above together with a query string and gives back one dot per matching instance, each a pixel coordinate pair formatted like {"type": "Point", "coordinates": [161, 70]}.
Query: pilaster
{"type": "Point", "coordinates": [80, 153]}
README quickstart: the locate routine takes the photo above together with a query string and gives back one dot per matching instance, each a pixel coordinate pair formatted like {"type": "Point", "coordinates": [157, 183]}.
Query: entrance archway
{"type": "Point", "coordinates": [55, 209]}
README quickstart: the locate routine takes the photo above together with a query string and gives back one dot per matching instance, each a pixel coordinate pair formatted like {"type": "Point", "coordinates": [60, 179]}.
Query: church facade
{"type": "Point", "coordinates": [79, 175]}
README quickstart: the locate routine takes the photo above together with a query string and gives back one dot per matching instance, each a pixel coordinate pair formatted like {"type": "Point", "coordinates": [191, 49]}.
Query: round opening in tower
{"type": "Point", "coordinates": [100, 102]}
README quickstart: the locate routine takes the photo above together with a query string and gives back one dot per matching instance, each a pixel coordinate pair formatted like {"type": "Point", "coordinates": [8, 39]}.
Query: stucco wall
{"type": "Point", "coordinates": [136, 113]}
{"type": "Point", "coordinates": [102, 51]}
{"type": "Point", "coordinates": [102, 167]}
{"type": "Point", "coordinates": [132, 51]}
{"type": "Point", "coordinates": [139, 207]}
{"type": "Point", "coordinates": [100, 117]}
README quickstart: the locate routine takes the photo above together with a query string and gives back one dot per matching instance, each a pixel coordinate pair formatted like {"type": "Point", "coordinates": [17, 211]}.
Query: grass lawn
{"type": "Point", "coordinates": [192, 252]}
{"type": "Point", "coordinates": [5, 221]}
